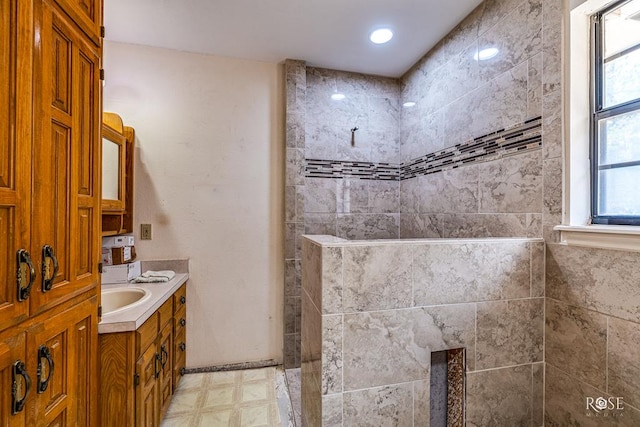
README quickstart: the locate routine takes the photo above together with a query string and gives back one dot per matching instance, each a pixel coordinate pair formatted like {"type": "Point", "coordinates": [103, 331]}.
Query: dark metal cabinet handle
{"type": "Point", "coordinates": [183, 346]}
{"type": "Point", "coordinates": [183, 322]}
{"type": "Point", "coordinates": [48, 277]}
{"type": "Point", "coordinates": [183, 371]}
{"type": "Point", "coordinates": [183, 299]}
{"type": "Point", "coordinates": [157, 363]}
{"type": "Point", "coordinates": [17, 403]}
{"type": "Point", "coordinates": [164, 356]}
{"type": "Point", "coordinates": [24, 260]}
{"type": "Point", "coordinates": [44, 355]}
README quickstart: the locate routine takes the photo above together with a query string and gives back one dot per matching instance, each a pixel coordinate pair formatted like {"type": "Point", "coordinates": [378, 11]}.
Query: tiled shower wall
{"type": "Point", "coordinates": [352, 208]}
{"type": "Point", "coordinates": [319, 127]}
{"type": "Point", "coordinates": [592, 295]}
{"type": "Point", "coordinates": [295, 112]}
{"type": "Point", "coordinates": [458, 99]}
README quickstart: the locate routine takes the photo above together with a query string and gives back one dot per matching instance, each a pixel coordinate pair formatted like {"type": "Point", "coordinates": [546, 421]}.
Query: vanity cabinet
{"type": "Point", "coordinates": [138, 367]}
{"type": "Point", "coordinates": [50, 101]}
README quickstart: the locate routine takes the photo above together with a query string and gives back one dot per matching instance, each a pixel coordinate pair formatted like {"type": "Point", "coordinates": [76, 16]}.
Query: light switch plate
{"type": "Point", "coordinates": [145, 231]}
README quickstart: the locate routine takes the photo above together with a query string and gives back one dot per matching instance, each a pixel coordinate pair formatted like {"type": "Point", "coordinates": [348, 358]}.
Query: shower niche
{"type": "Point", "coordinates": [447, 388]}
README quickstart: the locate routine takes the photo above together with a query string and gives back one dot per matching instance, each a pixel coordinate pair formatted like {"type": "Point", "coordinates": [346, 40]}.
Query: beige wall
{"type": "Point", "coordinates": [209, 178]}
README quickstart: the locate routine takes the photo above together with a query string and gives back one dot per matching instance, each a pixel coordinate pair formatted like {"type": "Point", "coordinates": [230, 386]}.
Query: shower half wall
{"type": "Point", "coordinates": [373, 313]}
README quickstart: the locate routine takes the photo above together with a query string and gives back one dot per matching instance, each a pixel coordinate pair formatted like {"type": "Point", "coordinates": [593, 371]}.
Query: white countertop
{"type": "Point", "coordinates": [132, 318]}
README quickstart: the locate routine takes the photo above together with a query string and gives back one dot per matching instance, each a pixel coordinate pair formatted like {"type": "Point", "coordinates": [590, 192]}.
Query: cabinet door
{"type": "Point", "coordinates": [166, 377]}
{"type": "Point", "coordinates": [147, 402]}
{"type": "Point", "coordinates": [16, 31]}
{"type": "Point", "coordinates": [12, 351]}
{"type": "Point", "coordinates": [65, 214]}
{"type": "Point", "coordinates": [59, 353]}
{"type": "Point", "coordinates": [84, 352]}
{"type": "Point", "coordinates": [87, 14]}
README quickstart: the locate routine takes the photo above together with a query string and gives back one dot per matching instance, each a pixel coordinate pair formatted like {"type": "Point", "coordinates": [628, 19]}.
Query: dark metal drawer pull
{"type": "Point", "coordinates": [48, 276]}
{"type": "Point", "coordinates": [17, 403]}
{"type": "Point", "coordinates": [44, 355]}
{"type": "Point", "coordinates": [24, 264]}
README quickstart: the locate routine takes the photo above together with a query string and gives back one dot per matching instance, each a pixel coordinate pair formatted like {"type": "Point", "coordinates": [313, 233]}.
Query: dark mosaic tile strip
{"type": "Point", "coordinates": [520, 138]}
{"type": "Point", "coordinates": [232, 367]}
{"type": "Point", "coordinates": [341, 169]}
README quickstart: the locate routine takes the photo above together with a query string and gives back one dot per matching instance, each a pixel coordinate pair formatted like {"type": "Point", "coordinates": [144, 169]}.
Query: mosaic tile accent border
{"type": "Point", "coordinates": [520, 138]}
{"type": "Point", "coordinates": [345, 169]}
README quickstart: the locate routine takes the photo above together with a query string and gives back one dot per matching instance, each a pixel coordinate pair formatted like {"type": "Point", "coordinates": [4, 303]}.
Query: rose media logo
{"type": "Point", "coordinates": [605, 406]}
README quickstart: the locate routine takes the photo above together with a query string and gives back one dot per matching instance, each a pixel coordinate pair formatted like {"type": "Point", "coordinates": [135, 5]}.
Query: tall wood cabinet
{"type": "Point", "coordinates": [50, 104]}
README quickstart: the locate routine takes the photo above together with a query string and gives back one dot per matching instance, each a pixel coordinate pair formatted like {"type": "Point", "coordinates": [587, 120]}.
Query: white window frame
{"type": "Point", "coordinates": [575, 228]}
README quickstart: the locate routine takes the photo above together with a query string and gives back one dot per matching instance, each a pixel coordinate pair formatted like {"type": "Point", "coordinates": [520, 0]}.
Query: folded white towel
{"type": "Point", "coordinates": [155, 276]}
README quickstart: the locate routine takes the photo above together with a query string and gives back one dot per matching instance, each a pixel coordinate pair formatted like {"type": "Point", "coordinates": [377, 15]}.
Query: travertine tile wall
{"type": "Point", "coordinates": [592, 295]}
{"type": "Point", "coordinates": [374, 311]}
{"type": "Point", "coordinates": [352, 208]}
{"type": "Point", "coordinates": [295, 113]}
{"type": "Point", "coordinates": [592, 334]}
{"type": "Point", "coordinates": [458, 99]}
{"type": "Point", "coordinates": [318, 127]}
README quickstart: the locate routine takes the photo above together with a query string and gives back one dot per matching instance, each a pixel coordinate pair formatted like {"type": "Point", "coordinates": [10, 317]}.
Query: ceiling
{"type": "Point", "coordinates": [324, 33]}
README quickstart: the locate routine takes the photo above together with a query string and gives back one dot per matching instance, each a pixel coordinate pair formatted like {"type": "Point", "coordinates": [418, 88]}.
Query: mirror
{"type": "Point", "coordinates": [113, 170]}
{"type": "Point", "coordinates": [110, 169]}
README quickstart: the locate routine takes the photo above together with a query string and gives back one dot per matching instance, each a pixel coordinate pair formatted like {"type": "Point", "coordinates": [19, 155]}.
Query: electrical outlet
{"type": "Point", "coordinates": [145, 231]}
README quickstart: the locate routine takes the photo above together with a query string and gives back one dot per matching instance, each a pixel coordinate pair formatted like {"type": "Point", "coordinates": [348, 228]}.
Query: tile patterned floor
{"type": "Point", "coordinates": [229, 399]}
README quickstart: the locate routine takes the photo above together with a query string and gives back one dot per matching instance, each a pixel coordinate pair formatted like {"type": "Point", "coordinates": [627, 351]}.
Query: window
{"type": "Point", "coordinates": [615, 118]}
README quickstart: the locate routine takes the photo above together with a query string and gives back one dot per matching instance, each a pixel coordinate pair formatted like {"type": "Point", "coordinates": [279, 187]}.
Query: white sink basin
{"type": "Point", "coordinates": [118, 299]}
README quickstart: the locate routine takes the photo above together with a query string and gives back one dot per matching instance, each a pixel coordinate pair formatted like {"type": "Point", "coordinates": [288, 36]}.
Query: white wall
{"type": "Point", "coordinates": [209, 178]}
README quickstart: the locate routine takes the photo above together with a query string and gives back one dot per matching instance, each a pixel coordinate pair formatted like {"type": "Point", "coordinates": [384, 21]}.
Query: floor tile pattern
{"type": "Point", "coordinates": [226, 399]}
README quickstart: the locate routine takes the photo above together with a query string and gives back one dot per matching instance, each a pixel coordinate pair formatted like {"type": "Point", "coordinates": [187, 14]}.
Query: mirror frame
{"type": "Point", "coordinates": [116, 137]}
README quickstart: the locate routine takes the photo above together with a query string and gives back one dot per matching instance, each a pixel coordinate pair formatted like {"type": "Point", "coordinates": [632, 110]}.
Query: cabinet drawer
{"type": "Point", "coordinates": [180, 322]}
{"type": "Point", "coordinates": [180, 298]}
{"type": "Point", "coordinates": [165, 312]}
{"type": "Point", "coordinates": [147, 333]}
{"type": "Point", "coordinates": [180, 353]}
{"type": "Point", "coordinates": [180, 346]}
{"type": "Point", "coordinates": [177, 373]}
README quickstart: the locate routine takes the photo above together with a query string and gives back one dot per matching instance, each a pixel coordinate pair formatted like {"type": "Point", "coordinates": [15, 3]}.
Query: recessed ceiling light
{"type": "Point", "coordinates": [409, 104]}
{"type": "Point", "coordinates": [338, 96]}
{"type": "Point", "coordinates": [381, 35]}
{"type": "Point", "coordinates": [484, 54]}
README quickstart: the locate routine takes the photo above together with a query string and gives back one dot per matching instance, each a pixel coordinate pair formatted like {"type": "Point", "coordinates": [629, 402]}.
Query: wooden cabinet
{"type": "Point", "coordinates": [65, 229]}
{"type": "Point", "coordinates": [138, 368]}
{"type": "Point", "coordinates": [46, 366]}
{"type": "Point", "coordinates": [50, 97]}
{"type": "Point", "coordinates": [88, 16]}
{"type": "Point", "coordinates": [60, 351]}
{"type": "Point", "coordinates": [16, 50]}
{"type": "Point", "coordinates": [13, 379]}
